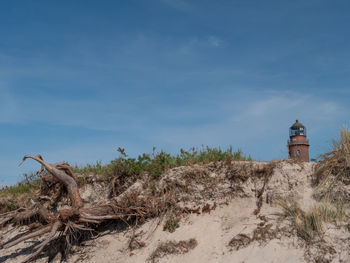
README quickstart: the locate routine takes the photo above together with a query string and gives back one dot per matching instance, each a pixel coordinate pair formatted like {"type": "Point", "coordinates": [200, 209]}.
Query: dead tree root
{"type": "Point", "coordinates": [66, 224]}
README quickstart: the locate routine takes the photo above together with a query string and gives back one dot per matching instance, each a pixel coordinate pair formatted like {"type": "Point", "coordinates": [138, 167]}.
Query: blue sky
{"type": "Point", "coordinates": [80, 78]}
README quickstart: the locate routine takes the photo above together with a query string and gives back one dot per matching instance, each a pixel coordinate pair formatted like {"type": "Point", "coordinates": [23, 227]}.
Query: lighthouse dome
{"type": "Point", "coordinates": [297, 129]}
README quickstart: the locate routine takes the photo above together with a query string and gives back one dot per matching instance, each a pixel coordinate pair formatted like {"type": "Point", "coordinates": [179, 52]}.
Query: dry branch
{"type": "Point", "coordinates": [64, 175]}
{"type": "Point", "coordinates": [36, 233]}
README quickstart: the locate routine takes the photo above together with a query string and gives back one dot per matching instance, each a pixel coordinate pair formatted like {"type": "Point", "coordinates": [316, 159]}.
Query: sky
{"type": "Point", "coordinates": [78, 79]}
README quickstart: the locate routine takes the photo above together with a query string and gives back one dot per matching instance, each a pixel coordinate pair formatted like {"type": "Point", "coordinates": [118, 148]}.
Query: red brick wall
{"type": "Point", "coordinates": [298, 139]}
{"type": "Point", "coordinates": [302, 155]}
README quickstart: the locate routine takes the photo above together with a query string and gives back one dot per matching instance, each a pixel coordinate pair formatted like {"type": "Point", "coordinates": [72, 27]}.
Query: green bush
{"type": "Point", "coordinates": [155, 164]}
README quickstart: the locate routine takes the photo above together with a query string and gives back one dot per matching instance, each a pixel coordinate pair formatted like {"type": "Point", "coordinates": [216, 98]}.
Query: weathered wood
{"type": "Point", "coordinates": [55, 227]}
{"type": "Point", "coordinates": [67, 221]}
{"type": "Point", "coordinates": [66, 178]}
{"type": "Point", "coordinates": [39, 232]}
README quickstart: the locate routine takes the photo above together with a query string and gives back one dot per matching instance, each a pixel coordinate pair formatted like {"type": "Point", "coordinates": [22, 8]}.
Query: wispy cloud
{"type": "Point", "coordinates": [297, 104]}
{"type": "Point", "coordinates": [215, 41]}
{"type": "Point", "coordinates": [196, 45]}
{"type": "Point", "coordinates": [252, 120]}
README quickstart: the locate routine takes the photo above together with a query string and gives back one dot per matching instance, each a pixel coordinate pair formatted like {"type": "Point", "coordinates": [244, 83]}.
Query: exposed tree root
{"type": "Point", "coordinates": [36, 233]}
{"type": "Point", "coordinates": [66, 224]}
{"type": "Point", "coordinates": [64, 175]}
{"type": "Point", "coordinates": [49, 238]}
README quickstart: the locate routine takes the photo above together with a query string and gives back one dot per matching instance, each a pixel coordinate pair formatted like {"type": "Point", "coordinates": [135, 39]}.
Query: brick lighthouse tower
{"type": "Point", "coordinates": [298, 145]}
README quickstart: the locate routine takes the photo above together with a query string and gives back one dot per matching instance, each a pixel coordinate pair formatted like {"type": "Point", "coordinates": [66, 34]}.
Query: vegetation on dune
{"type": "Point", "coordinates": [171, 224]}
{"type": "Point", "coordinates": [155, 164]}
{"type": "Point", "coordinates": [309, 224]}
{"type": "Point", "coordinates": [334, 166]}
{"type": "Point", "coordinates": [172, 247]}
{"type": "Point", "coordinates": [18, 189]}
{"type": "Point", "coordinates": [12, 197]}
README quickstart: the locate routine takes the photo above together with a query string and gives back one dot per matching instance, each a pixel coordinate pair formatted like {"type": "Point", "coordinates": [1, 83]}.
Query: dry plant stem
{"type": "Point", "coordinates": [22, 216]}
{"type": "Point", "coordinates": [114, 193]}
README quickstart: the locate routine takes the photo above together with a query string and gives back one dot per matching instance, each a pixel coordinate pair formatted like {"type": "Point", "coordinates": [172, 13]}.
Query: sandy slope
{"type": "Point", "coordinates": [212, 231]}
{"type": "Point", "coordinates": [234, 215]}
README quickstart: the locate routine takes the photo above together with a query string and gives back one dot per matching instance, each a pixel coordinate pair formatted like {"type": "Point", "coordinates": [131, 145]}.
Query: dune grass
{"type": "Point", "coordinates": [15, 196]}
{"type": "Point", "coordinates": [335, 165]}
{"type": "Point", "coordinates": [155, 164]}
{"type": "Point", "coordinates": [309, 224]}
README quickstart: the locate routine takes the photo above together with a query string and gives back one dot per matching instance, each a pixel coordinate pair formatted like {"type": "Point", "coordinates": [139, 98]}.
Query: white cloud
{"type": "Point", "coordinates": [215, 41]}
{"type": "Point", "coordinates": [194, 44]}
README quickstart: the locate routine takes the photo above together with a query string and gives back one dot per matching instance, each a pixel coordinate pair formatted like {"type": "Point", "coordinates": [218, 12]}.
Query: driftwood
{"type": "Point", "coordinates": [64, 223]}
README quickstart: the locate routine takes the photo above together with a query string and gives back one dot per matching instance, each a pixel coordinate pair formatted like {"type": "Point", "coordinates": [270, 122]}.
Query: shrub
{"type": "Point", "coordinates": [171, 225]}
{"type": "Point", "coordinates": [155, 164]}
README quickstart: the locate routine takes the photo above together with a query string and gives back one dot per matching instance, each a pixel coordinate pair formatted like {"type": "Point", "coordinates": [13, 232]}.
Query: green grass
{"type": "Point", "coordinates": [332, 213]}
{"type": "Point", "coordinates": [155, 164]}
{"type": "Point", "coordinates": [15, 196]}
{"type": "Point", "coordinates": [18, 189]}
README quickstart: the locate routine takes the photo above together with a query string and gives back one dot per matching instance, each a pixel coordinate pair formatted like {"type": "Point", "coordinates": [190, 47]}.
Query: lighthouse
{"type": "Point", "coordinates": [298, 145]}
